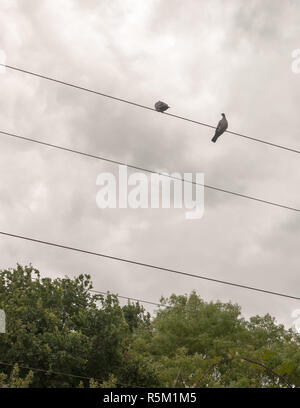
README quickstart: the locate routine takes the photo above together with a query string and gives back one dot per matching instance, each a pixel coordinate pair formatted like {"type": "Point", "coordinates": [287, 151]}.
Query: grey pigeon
{"type": "Point", "coordinates": [222, 126]}
{"type": "Point", "coordinates": [161, 106]}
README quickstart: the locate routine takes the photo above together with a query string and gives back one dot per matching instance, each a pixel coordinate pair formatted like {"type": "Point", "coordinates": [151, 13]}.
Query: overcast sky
{"type": "Point", "coordinates": [202, 58]}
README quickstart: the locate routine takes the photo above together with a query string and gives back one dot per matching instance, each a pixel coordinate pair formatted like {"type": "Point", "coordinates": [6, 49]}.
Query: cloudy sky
{"type": "Point", "coordinates": [202, 58]}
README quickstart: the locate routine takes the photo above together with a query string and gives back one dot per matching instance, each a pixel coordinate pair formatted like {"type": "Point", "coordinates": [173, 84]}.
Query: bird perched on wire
{"type": "Point", "coordinates": [161, 106]}
{"type": "Point", "coordinates": [222, 126]}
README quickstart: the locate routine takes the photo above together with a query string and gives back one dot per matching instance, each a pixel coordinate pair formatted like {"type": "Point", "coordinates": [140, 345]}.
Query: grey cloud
{"type": "Point", "coordinates": [203, 58]}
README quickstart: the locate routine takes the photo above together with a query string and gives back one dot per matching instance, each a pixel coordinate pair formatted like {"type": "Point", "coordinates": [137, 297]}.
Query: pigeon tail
{"type": "Point", "coordinates": [221, 128]}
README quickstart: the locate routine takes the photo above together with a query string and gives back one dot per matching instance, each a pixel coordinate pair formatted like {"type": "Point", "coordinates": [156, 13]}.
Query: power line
{"type": "Point", "coordinates": [127, 298]}
{"type": "Point", "coordinates": [148, 265]}
{"type": "Point", "coordinates": [101, 292]}
{"type": "Point", "coordinates": [48, 371]}
{"type": "Point", "coordinates": [149, 171]}
{"type": "Point", "coordinates": [59, 373]}
{"type": "Point", "coordinates": [147, 107]}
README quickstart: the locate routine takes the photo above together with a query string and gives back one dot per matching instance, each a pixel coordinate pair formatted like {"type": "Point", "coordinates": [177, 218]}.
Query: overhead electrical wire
{"type": "Point", "coordinates": [101, 292]}
{"type": "Point", "coordinates": [149, 171]}
{"type": "Point", "coordinates": [127, 297]}
{"type": "Point", "coordinates": [146, 265]}
{"type": "Point", "coordinates": [49, 372]}
{"type": "Point", "coordinates": [146, 107]}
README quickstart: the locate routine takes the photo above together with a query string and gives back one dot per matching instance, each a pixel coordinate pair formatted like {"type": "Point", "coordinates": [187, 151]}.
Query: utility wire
{"type": "Point", "coordinates": [48, 371]}
{"type": "Point", "coordinates": [110, 293]}
{"type": "Point", "coordinates": [147, 107]}
{"type": "Point", "coordinates": [148, 171]}
{"type": "Point", "coordinates": [126, 297]}
{"type": "Point", "coordinates": [59, 373]}
{"type": "Point", "coordinates": [129, 261]}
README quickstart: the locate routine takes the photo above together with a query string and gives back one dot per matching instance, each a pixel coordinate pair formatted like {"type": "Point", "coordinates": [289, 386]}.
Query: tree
{"type": "Point", "coordinates": [199, 344]}
{"type": "Point", "coordinates": [14, 380]}
{"type": "Point", "coordinates": [59, 326]}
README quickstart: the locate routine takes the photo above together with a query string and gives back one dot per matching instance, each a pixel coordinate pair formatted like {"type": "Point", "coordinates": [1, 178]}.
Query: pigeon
{"type": "Point", "coordinates": [222, 126]}
{"type": "Point", "coordinates": [161, 106]}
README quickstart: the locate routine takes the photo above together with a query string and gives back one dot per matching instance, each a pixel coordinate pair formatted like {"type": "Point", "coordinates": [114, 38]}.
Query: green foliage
{"type": "Point", "coordinates": [14, 380]}
{"type": "Point", "coordinates": [59, 326]}
{"type": "Point", "coordinates": [198, 344]}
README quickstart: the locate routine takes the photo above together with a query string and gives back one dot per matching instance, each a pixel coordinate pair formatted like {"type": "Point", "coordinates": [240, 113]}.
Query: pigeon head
{"type": "Point", "coordinates": [223, 114]}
